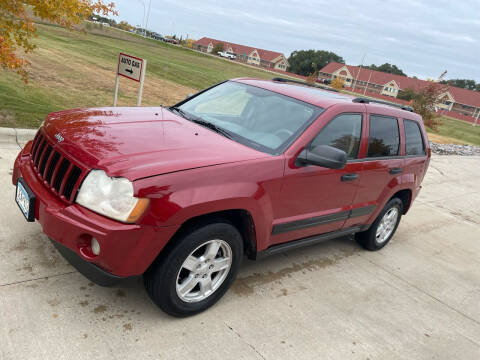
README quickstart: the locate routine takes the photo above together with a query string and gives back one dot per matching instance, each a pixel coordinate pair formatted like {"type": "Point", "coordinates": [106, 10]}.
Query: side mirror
{"type": "Point", "coordinates": [323, 155]}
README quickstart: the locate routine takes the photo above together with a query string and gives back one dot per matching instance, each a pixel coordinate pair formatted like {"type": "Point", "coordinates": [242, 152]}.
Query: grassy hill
{"type": "Point", "coordinates": [76, 69]}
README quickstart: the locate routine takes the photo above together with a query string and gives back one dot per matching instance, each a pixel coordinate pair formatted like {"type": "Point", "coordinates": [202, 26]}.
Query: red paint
{"type": "Point", "coordinates": [187, 171]}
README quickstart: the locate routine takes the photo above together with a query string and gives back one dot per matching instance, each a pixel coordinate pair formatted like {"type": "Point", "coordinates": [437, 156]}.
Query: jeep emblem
{"type": "Point", "coordinates": [59, 137]}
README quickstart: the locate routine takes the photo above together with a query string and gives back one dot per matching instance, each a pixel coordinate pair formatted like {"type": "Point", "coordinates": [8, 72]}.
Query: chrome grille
{"type": "Point", "coordinates": [58, 173]}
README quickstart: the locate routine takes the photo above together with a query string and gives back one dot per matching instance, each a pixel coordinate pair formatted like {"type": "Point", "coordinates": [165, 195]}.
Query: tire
{"type": "Point", "coordinates": [369, 240]}
{"type": "Point", "coordinates": [169, 279]}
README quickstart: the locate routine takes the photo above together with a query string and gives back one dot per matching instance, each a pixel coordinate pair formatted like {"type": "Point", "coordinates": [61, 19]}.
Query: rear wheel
{"type": "Point", "coordinates": [383, 228]}
{"type": "Point", "coordinates": [196, 272]}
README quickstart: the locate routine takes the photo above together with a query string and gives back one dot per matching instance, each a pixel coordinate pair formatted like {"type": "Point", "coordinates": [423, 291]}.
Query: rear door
{"type": "Point", "coordinates": [415, 153]}
{"type": "Point", "coordinates": [383, 164]}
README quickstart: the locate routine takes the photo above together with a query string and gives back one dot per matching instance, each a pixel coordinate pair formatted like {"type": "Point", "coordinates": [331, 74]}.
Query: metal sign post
{"type": "Point", "coordinates": [132, 68]}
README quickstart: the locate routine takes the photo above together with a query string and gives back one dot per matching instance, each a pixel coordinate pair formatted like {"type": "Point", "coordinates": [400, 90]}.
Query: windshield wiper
{"type": "Point", "coordinates": [198, 120]}
{"type": "Point", "coordinates": [213, 127]}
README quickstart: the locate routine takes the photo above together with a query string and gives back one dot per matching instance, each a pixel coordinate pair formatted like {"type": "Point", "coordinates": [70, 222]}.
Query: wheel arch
{"type": "Point", "coordinates": [406, 196]}
{"type": "Point", "coordinates": [240, 218]}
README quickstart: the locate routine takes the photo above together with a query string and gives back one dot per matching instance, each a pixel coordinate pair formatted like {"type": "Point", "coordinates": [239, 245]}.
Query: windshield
{"type": "Point", "coordinates": [255, 117]}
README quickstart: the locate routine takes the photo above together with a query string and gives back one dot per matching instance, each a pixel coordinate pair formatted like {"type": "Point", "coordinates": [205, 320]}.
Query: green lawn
{"type": "Point", "coordinates": [76, 69]}
{"type": "Point", "coordinates": [459, 130]}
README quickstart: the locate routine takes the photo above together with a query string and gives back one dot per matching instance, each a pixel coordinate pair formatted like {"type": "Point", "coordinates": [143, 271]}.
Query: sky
{"type": "Point", "coordinates": [423, 38]}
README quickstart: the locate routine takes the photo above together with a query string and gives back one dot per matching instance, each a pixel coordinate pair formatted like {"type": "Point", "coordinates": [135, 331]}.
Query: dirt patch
{"type": "Point", "coordinates": [83, 303]}
{"type": "Point", "coordinates": [22, 246]}
{"type": "Point", "coordinates": [245, 286]}
{"type": "Point", "coordinates": [91, 84]}
{"type": "Point", "coordinates": [120, 293]}
{"type": "Point", "coordinates": [128, 327]}
{"type": "Point", "coordinates": [440, 139]}
{"type": "Point", "coordinates": [53, 302]}
{"type": "Point", "coordinates": [100, 309]}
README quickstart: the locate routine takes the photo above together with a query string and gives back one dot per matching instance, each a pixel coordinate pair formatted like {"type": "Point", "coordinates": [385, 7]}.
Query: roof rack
{"type": "Point", "coordinates": [366, 101]}
{"type": "Point", "coordinates": [280, 79]}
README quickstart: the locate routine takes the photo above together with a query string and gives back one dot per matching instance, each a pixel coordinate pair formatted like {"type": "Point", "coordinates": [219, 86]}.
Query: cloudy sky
{"type": "Point", "coordinates": [423, 38]}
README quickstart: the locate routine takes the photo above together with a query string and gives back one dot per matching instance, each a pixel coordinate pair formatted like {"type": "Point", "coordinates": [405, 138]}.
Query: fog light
{"type": "Point", "coordinates": [95, 246]}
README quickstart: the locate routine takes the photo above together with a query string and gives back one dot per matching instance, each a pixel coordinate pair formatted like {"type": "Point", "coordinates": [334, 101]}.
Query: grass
{"type": "Point", "coordinates": [455, 131]}
{"type": "Point", "coordinates": [75, 69]}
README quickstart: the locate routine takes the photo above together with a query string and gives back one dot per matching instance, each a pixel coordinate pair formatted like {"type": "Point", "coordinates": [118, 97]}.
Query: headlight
{"type": "Point", "coordinates": [112, 197]}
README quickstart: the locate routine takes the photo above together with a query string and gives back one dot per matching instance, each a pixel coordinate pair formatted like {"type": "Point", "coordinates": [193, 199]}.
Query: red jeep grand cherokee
{"type": "Point", "coordinates": [253, 167]}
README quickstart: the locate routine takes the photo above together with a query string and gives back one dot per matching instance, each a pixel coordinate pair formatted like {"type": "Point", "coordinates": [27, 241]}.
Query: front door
{"type": "Point", "coordinates": [314, 199]}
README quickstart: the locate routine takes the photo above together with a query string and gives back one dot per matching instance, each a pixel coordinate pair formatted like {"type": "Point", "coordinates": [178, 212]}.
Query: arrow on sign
{"type": "Point", "coordinates": [129, 70]}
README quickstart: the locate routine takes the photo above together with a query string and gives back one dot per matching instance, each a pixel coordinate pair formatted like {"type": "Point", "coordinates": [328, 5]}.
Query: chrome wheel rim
{"type": "Point", "coordinates": [386, 225]}
{"type": "Point", "coordinates": [204, 270]}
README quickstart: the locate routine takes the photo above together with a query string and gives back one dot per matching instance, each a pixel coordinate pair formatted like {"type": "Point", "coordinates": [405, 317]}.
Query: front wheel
{"type": "Point", "coordinates": [197, 271]}
{"type": "Point", "coordinates": [383, 228]}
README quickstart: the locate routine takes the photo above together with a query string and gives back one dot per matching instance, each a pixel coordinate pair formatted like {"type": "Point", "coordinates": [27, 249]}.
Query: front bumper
{"type": "Point", "coordinates": [126, 249]}
{"type": "Point", "coordinates": [88, 269]}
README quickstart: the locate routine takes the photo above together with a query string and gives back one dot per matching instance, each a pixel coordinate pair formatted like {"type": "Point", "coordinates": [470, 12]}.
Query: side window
{"type": "Point", "coordinates": [343, 132]}
{"type": "Point", "coordinates": [413, 139]}
{"type": "Point", "coordinates": [384, 138]}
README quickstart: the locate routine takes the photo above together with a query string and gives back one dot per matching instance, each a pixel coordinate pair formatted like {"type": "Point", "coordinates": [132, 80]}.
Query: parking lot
{"type": "Point", "coordinates": [418, 298]}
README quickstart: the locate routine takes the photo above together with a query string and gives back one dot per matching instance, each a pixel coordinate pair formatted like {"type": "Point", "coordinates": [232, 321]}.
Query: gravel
{"type": "Point", "coordinates": [451, 149]}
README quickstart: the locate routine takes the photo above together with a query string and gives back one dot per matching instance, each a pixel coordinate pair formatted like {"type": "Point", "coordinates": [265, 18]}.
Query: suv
{"type": "Point", "coordinates": [246, 167]}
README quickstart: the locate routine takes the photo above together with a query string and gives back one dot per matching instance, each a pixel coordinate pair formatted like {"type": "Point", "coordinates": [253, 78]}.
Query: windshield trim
{"type": "Point", "coordinates": [317, 111]}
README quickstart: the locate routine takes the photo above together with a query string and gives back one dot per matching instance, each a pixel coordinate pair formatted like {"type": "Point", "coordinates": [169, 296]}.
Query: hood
{"type": "Point", "coordinates": [140, 142]}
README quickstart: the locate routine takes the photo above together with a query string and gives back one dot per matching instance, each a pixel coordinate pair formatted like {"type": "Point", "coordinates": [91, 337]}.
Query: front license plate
{"type": "Point", "coordinates": [25, 200]}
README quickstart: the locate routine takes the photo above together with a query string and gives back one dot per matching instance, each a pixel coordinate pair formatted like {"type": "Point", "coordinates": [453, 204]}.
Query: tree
{"type": "Point", "coordinates": [124, 25]}
{"type": "Point", "coordinates": [424, 101]}
{"type": "Point", "coordinates": [17, 28]}
{"type": "Point", "coordinates": [406, 94]}
{"type": "Point", "coordinates": [387, 68]}
{"type": "Point", "coordinates": [306, 62]}
{"type": "Point", "coordinates": [463, 83]}
{"type": "Point", "coordinates": [337, 83]}
{"type": "Point", "coordinates": [217, 48]}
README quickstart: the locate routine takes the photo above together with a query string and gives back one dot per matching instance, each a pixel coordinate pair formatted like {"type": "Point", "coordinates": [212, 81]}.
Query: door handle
{"type": "Point", "coordinates": [394, 171]}
{"type": "Point", "coordinates": [349, 177]}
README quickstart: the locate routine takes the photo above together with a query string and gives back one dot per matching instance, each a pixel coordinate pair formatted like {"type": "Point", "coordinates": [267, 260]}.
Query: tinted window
{"type": "Point", "coordinates": [343, 132]}
{"type": "Point", "coordinates": [384, 138]}
{"type": "Point", "coordinates": [413, 138]}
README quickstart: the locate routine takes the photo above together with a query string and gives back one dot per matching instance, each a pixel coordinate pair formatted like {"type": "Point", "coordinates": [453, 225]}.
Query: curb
{"type": "Point", "coordinates": [12, 136]}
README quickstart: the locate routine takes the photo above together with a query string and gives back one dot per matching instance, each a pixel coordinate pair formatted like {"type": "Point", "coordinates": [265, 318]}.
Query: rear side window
{"type": "Point", "coordinates": [384, 138]}
{"type": "Point", "coordinates": [343, 132]}
{"type": "Point", "coordinates": [413, 138]}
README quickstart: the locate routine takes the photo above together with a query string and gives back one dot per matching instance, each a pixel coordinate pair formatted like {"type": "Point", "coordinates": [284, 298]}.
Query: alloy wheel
{"type": "Point", "coordinates": [204, 271]}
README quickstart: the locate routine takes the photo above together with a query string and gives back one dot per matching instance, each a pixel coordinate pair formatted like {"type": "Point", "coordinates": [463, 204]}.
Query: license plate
{"type": "Point", "coordinates": [25, 200]}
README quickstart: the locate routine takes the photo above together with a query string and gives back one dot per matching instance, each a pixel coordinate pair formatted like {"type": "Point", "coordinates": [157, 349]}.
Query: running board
{"type": "Point", "coordinates": [276, 249]}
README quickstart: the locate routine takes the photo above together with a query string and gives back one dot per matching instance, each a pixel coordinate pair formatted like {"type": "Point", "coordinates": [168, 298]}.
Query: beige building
{"type": "Point", "coordinates": [246, 54]}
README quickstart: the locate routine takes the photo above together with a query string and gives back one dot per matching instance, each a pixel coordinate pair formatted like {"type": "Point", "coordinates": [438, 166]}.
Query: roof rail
{"type": "Point", "coordinates": [280, 79]}
{"type": "Point", "coordinates": [366, 101]}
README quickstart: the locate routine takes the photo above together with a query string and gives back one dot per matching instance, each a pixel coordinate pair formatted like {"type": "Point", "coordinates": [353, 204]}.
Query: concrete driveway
{"type": "Point", "coordinates": [418, 298]}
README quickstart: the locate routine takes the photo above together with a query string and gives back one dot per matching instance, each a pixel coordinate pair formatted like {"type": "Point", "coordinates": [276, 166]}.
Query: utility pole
{"type": "Point", "coordinates": [144, 14]}
{"type": "Point", "coordinates": [358, 73]}
{"type": "Point", "coordinates": [368, 82]}
{"type": "Point", "coordinates": [148, 15]}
